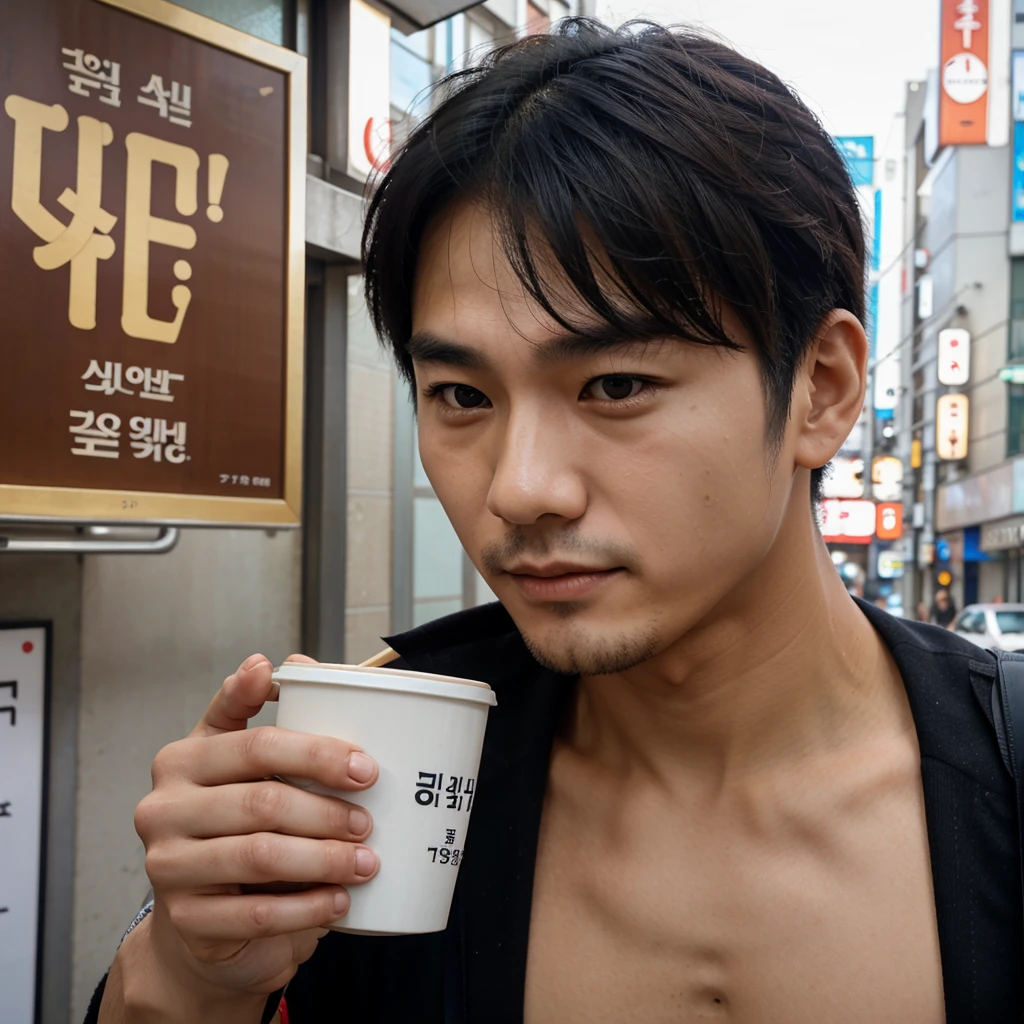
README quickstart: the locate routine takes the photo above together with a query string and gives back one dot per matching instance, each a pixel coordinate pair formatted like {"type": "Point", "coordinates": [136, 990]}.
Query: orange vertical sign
{"type": "Point", "coordinates": [964, 59]}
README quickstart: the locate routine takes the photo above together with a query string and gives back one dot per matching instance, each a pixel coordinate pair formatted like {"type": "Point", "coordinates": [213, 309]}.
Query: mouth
{"type": "Point", "coordinates": [559, 582]}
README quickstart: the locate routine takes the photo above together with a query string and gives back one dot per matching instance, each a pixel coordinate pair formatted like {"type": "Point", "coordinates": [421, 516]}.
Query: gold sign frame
{"type": "Point", "coordinates": [96, 506]}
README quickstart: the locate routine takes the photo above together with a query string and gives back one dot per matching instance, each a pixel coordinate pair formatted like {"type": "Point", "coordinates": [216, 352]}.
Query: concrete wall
{"type": "Point", "coordinates": [983, 286]}
{"type": "Point", "coordinates": [370, 430]}
{"type": "Point", "coordinates": [159, 633]}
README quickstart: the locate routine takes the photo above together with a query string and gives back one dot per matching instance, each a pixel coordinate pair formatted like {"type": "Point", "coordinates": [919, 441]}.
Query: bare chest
{"type": "Point", "coordinates": [774, 913]}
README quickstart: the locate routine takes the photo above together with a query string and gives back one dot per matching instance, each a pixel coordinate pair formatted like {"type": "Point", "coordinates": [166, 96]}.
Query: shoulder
{"type": "Point", "coordinates": [949, 686]}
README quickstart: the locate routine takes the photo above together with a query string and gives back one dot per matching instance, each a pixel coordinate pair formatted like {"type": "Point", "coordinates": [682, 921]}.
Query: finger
{"type": "Point", "coordinates": [217, 918]}
{"type": "Point", "coordinates": [240, 697]}
{"type": "Point", "coordinates": [301, 659]}
{"type": "Point", "coordinates": [265, 751]}
{"type": "Point", "coordinates": [259, 858]}
{"type": "Point", "coordinates": [269, 806]}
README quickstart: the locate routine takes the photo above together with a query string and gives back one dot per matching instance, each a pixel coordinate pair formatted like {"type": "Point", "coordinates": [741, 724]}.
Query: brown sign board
{"type": "Point", "coordinates": [152, 177]}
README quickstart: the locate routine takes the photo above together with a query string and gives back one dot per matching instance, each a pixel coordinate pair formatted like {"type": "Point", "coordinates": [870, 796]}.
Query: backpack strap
{"type": "Point", "coordinates": [1008, 714]}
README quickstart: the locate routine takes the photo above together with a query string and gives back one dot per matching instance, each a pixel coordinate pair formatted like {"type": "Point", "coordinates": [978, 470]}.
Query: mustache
{"type": "Point", "coordinates": [494, 557]}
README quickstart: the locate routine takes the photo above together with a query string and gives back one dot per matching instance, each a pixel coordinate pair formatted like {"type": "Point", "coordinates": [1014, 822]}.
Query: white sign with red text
{"type": "Point", "coordinates": [22, 800]}
{"type": "Point", "coordinates": [847, 522]}
{"type": "Point", "coordinates": [954, 356]}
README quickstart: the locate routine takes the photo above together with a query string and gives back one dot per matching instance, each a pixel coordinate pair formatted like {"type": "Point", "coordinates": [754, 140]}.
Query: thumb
{"type": "Point", "coordinates": [240, 697]}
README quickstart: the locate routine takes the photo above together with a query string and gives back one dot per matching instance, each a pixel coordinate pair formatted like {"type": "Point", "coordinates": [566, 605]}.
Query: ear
{"type": "Point", "coordinates": [828, 396]}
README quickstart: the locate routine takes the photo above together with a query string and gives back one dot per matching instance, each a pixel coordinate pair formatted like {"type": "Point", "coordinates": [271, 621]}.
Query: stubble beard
{"type": "Point", "coordinates": [579, 652]}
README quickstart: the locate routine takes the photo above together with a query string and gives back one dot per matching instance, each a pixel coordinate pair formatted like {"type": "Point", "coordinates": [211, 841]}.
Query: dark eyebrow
{"type": "Point", "coordinates": [427, 347]}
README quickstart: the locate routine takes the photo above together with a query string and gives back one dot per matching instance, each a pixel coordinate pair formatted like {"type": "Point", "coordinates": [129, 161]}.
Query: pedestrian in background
{"type": "Point", "coordinates": [943, 609]}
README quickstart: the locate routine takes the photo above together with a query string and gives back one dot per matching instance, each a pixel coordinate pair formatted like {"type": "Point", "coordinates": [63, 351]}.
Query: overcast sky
{"type": "Point", "coordinates": [848, 60]}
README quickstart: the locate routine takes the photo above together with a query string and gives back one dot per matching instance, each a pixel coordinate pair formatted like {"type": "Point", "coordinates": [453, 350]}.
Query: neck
{"type": "Point", "coordinates": [782, 671]}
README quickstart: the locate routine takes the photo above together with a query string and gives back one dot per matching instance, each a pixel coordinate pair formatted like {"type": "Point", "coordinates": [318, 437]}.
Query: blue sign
{"type": "Point", "coordinates": [942, 551]}
{"type": "Point", "coordinates": [1017, 76]}
{"type": "Point", "coordinates": [859, 153]}
{"type": "Point", "coordinates": [1018, 171]}
{"type": "Point", "coordinates": [876, 263]}
{"type": "Point", "coordinates": [876, 239]}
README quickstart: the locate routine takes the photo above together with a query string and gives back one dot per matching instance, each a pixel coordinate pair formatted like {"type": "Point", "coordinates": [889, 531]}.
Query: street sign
{"type": "Point", "coordinates": [845, 478]}
{"type": "Point", "coordinates": [1012, 374]}
{"type": "Point", "coordinates": [963, 99]}
{"type": "Point", "coordinates": [848, 522]}
{"type": "Point", "coordinates": [954, 356]}
{"type": "Point", "coordinates": [890, 565]}
{"type": "Point", "coordinates": [889, 521]}
{"type": "Point", "coordinates": [951, 423]}
{"type": "Point", "coordinates": [858, 152]}
{"type": "Point", "coordinates": [887, 478]}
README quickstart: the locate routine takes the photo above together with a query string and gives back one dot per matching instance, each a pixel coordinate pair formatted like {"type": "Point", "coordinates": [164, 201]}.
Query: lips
{"type": "Point", "coordinates": [553, 569]}
{"type": "Point", "coordinates": [547, 583]}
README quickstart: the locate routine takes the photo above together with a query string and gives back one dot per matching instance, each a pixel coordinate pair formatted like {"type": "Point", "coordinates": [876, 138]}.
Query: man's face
{"type": "Point", "coordinates": [611, 499]}
{"type": "Point", "coordinates": [942, 600]}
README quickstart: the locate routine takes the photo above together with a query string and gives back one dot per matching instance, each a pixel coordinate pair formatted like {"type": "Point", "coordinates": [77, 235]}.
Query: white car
{"type": "Point", "coordinates": [999, 626]}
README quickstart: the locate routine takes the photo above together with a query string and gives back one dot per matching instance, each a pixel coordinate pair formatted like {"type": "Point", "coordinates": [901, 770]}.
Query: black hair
{"type": "Point", "coordinates": [657, 171]}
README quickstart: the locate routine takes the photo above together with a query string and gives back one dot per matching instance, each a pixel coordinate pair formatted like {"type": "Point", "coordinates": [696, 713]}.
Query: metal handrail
{"type": "Point", "coordinates": [93, 544]}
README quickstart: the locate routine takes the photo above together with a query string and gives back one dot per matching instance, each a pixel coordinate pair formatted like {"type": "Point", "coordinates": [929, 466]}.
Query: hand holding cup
{"type": "Point", "coordinates": [246, 869]}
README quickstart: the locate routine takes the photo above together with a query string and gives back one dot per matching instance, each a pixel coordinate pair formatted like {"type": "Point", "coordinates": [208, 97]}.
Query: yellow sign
{"type": "Point", "coordinates": [945, 578]}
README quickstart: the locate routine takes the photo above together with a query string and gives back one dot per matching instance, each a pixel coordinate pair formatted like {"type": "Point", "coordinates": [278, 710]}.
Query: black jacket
{"type": "Point", "coordinates": [474, 973]}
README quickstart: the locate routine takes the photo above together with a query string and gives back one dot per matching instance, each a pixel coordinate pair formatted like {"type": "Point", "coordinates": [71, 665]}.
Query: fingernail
{"type": "Point", "coordinates": [366, 861]}
{"type": "Point", "coordinates": [360, 767]}
{"type": "Point", "coordinates": [358, 821]}
{"type": "Point", "coordinates": [341, 902]}
{"type": "Point", "coordinates": [251, 662]}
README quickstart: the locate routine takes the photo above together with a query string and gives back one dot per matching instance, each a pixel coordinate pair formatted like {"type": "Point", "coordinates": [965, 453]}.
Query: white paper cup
{"type": "Point", "coordinates": [426, 733]}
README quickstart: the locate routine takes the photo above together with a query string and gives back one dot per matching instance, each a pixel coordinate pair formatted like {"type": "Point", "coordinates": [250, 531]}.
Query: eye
{"type": "Point", "coordinates": [613, 388]}
{"type": "Point", "coordinates": [460, 396]}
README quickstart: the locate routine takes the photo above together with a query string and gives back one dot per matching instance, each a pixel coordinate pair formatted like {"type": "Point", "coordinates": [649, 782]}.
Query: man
{"type": "Point", "coordinates": [623, 272]}
{"type": "Point", "coordinates": [944, 609]}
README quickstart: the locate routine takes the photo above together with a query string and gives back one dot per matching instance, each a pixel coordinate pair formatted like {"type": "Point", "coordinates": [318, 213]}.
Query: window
{"type": "Point", "coordinates": [411, 71]}
{"type": "Point", "coordinates": [1016, 353]}
{"type": "Point", "coordinates": [1015, 426]}
{"type": "Point", "coordinates": [268, 19]}
{"type": "Point", "coordinates": [1010, 622]}
{"type": "Point", "coordinates": [479, 38]}
{"type": "Point", "coordinates": [971, 622]}
{"type": "Point", "coordinates": [1015, 394]}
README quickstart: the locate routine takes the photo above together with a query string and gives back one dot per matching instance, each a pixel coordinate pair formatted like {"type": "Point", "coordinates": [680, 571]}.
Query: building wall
{"type": "Point", "coordinates": [159, 634]}
{"type": "Point", "coordinates": [982, 286]}
{"type": "Point", "coordinates": [371, 391]}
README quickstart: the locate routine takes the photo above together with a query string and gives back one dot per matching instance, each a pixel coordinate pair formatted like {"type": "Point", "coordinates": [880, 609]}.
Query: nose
{"type": "Point", "coordinates": [535, 472]}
